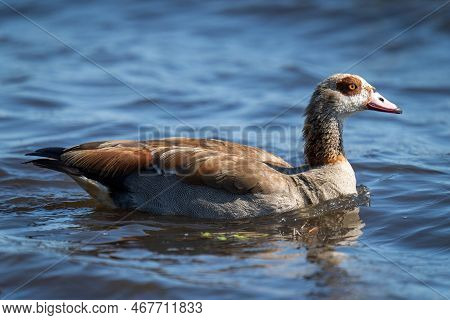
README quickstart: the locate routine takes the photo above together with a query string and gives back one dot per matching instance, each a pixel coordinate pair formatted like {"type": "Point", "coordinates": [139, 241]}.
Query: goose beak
{"type": "Point", "coordinates": [379, 103]}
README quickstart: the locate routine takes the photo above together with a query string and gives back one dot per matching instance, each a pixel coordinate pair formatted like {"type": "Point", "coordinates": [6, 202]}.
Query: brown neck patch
{"type": "Point", "coordinates": [318, 160]}
{"type": "Point", "coordinates": [332, 159]}
{"type": "Point", "coordinates": [323, 141]}
{"type": "Point", "coordinates": [349, 86]}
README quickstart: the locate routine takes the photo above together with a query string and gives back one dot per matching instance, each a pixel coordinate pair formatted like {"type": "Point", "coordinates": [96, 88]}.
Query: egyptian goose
{"type": "Point", "coordinates": [210, 178]}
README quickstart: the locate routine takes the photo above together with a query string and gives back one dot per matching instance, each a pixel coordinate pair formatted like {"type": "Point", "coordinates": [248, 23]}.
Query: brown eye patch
{"type": "Point", "coordinates": [349, 86]}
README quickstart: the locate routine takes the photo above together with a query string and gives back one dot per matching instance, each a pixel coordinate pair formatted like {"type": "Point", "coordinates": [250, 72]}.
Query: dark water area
{"type": "Point", "coordinates": [78, 71]}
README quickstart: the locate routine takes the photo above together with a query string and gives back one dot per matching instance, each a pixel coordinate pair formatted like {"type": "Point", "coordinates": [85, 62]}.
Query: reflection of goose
{"type": "Point", "coordinates": [331, 224]}
{"type": "Point", "coordinates": [343, 229]}
{"type": "Point", "coordinates": [334, 222]}
{"type": "Point", "coordinates": [223, 179]}
{"type": "Point", "coordinates": [320, 239]}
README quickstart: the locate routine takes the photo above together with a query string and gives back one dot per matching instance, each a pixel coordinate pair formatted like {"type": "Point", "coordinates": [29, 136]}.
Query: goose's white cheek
{"type": "Point", "coordinates": [352, 104]}
{"type": "Point", "coordinates": [359, 101]}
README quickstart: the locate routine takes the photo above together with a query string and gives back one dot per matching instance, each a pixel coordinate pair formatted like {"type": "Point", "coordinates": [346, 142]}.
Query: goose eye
{"type": "Point", "coordinates": [352, 86]}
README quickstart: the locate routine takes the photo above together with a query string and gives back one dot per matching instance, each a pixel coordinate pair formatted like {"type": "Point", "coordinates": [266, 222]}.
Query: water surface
{"type": "Point", "coordinates": [86, 71]}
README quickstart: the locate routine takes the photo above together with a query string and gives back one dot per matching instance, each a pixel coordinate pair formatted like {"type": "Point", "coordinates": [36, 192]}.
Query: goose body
{"type": "Point", "coordinates": [210, 178]}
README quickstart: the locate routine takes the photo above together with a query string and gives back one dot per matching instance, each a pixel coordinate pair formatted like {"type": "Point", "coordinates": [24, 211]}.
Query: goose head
{"type": "Point", "coordinates": [335, 98]}
{"type": "Point", "coordinates": [343, 94]}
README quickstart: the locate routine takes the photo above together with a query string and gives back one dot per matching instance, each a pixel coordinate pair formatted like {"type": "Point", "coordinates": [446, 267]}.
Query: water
{"type": "Point", "coordinates": [224, 64]}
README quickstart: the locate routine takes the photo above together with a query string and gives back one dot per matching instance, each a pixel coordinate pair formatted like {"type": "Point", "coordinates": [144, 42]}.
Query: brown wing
{"type": "Point", "coordinates": [215, 163]}
{"type": "Point", "coordinates": [229, 172]}
{"type": "Point", "coordinates": [225, 147]}
{"type": "Point", "coordinates": [108, 159]}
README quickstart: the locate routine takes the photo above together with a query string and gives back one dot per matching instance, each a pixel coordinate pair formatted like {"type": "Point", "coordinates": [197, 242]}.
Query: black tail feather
{"type": "Point", "coordinates": [51, 159]}
{"type": "Point", "coordinates": [54, 165]}
{"type": "Point", "coordinates": [52, 153]}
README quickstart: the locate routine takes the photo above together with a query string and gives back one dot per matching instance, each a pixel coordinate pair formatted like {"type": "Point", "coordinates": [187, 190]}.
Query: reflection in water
{"type": "Point", "coordinates": [330, 224]}
{"type": "Point", "coordinates": [219, 64]}
{"type": "Point", "coordinates": [147, 240]}
{"type": "Point", "coordinates": [343, 230]}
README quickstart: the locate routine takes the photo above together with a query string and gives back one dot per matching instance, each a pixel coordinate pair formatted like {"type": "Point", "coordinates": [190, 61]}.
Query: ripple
{"type": "Point", "coordinates": [39, 102]}
{"type": "Point", "coordinates": [216, 64]}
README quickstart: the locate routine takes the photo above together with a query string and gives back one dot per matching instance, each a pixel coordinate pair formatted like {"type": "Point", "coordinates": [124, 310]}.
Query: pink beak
{"type": "Point", "coordinates": [378, 103]}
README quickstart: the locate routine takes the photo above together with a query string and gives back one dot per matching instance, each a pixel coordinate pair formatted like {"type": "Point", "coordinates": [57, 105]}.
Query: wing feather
{"type": "Point", "coordinates": [215, 163]}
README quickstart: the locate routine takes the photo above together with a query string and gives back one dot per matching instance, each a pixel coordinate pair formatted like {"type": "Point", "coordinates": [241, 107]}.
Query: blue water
{"type": "Point", "coordinates": [77, 71]}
